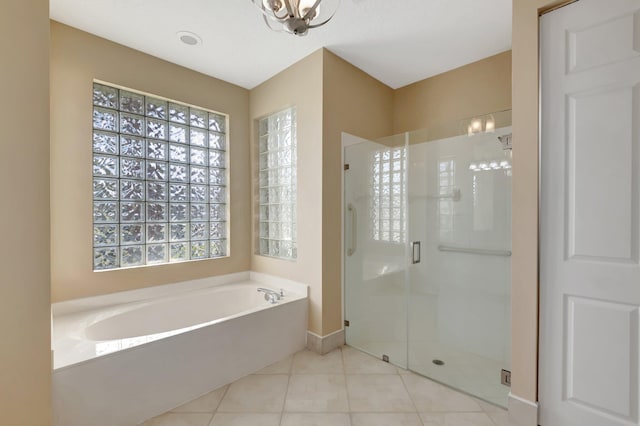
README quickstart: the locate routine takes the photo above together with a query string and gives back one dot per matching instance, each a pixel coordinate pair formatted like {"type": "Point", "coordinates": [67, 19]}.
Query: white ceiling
{"type": "Point", "coordinates": [396, 41]}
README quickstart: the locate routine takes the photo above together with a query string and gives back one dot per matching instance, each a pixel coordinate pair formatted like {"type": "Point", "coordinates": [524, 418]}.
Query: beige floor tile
{"type": "Point", "coordinates": [385, 419]}
{"type": "Point", "coordinates": [205, 404]}
{"type": "Point", "coordinates": [256, 394]}
{"type": "Point", "coordinates": [343, 388]}
{"type": "Point", "coordinates": [245, 419]}
{"type": "Point", "coordinates": [430, 396]}
{"type": "Point", "coordinates": [378, 393]}
{"type": "Point", "coordinates": [315, 419]}
{"type": "Point", "coordinates": [501, 418]}
{"type": "Point", "coordinates": [280, 367]}
{"type": "Point", "coordinates": [356, 362]}
{"type": "Point", "coordinates": [456, 419]}
{"type": "Point", "coordinates": [490, 408]}
{"type": "Point", "coordinates": [322, 393]}
{"type": "Point", "coordinates": [180, 419]}
{"type": "Point", "coordinates": [308, 362]}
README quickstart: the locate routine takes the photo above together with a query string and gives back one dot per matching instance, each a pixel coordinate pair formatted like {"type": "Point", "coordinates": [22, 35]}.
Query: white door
{"type": "Point", "coordinates": [589, 223]}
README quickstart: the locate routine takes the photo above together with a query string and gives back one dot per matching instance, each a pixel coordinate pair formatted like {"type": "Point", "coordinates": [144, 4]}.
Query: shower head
{"type": "Point", "coordinates": [505, 140]}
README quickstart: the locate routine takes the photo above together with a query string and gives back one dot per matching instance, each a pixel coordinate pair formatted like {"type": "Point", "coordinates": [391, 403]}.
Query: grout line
{"type": "Point", "coordinates": [491, 418]}
{"type": "Point", "coordinates": [224, 394]}
{"type": "Point", "coordinates": [286, 392]}
{"type": "Point", "coordinates": [404, 385]}
{"type": "Point", "coordinates": [346, 386]}
{"type": "Point", "coordinates": [211, 419]}
{"type": "Point", "coordinates": [290, 369]}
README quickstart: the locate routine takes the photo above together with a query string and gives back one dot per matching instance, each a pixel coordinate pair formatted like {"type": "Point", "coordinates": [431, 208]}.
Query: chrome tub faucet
{"type": "Point", "coordinates": [270, 295]}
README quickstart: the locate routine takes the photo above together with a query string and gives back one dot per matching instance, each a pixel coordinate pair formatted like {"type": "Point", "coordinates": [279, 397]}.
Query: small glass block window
{"type": "Point", "coordinates": [388, 220]}
{"type": "Point", "coordinates": [446, 205]}
{"type": "Point", "coordinates": [277, 185]}
{"type": "Point", "coordinates": [159, 180]}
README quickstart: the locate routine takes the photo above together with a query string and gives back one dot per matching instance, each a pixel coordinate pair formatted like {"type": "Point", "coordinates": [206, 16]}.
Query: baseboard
{"type": "Point", "coordinates": [325, 344]}
{"type": "Point", "coordinates": [522, 411]}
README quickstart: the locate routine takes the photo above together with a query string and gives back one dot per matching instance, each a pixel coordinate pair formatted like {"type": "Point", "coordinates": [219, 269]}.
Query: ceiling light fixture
{"type": "Point", "coordinates": [296, 16]}
{"type": "Point", "coordinates": [483, 124]}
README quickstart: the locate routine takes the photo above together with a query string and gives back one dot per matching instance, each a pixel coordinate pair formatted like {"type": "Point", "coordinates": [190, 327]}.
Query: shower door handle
{"type": "Point", "coordinates": [353, 237]}
{"type": "Point", "coordinates": [415, 252]}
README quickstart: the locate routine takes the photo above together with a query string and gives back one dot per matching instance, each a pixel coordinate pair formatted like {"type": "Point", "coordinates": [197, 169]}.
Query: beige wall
{"type": "Point", "coordinates": [356, 103]}
{"type": "Point", "coordinates": [25, 354]}
{"type": "Point", "coordinates": [300, 85]}
{"type": "Point", "coordinates": [331, 96]}
{"type": "Point", "coordinates": [474, 89]}
{"type": "Point", "coordinates": [76, 59]}
{"type": "Point", "coordinates": [524, 262]}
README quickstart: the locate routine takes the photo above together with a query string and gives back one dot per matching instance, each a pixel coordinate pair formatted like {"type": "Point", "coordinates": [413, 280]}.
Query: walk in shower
{"type": "Point", "coordinates": [427, 266]}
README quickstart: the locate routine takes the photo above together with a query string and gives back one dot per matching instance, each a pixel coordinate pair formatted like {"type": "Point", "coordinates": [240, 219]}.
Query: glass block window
{"type": "Point", "coordinates": [277, 182]}
{"type": "Point", "coordinates": [159, 180]}
{"type": "Point", "coordinates": [388, 216]}
{"type": "Point", "coordinates": [446, 188]}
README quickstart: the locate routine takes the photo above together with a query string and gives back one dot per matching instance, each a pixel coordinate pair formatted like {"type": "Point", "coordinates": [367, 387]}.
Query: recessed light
{"type": "Point", "coordinates": [189, 38]}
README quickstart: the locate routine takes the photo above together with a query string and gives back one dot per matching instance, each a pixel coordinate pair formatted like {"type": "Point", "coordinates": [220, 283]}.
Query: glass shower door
{"type": "Point", "coordinates": [375, 238]}
{"type": "Point", "coordinates": [459, 294]}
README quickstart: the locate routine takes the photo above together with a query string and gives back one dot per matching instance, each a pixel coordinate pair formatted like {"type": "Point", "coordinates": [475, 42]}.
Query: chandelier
{"type": "Point", "coordinates": [296, 16]}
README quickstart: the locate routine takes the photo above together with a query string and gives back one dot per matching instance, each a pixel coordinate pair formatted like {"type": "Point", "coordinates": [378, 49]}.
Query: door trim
{"type": "Point", "coordinates": [556, 6]}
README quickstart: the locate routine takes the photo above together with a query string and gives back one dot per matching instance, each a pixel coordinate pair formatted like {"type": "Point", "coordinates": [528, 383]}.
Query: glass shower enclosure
{"type": "Point", "coordinates": [427, 235]}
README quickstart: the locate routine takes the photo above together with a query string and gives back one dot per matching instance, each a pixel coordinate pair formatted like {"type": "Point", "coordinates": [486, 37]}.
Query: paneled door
{"type": "Point", "coordinates": [589, 214]}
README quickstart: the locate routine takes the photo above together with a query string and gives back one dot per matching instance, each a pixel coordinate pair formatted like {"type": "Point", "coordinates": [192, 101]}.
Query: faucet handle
{"type": "Point", "coordinates": [281, 293]}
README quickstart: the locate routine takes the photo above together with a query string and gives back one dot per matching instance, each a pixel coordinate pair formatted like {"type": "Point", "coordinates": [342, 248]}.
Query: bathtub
{"type": "Point", "coordinates": [121, 359]}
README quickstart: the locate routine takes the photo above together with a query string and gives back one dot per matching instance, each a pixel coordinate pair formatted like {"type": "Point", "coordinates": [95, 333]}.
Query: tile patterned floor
{"type": "Point", "coordinates": [343, 388]}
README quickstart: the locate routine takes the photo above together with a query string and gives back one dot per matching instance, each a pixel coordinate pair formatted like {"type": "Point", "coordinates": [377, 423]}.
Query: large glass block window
{"type": "Point", "coordinates": [159, 180]}
{"type": "Point", "coordinates": [277, 182]}
{"type": "Point", "coordinates": [388, 215]}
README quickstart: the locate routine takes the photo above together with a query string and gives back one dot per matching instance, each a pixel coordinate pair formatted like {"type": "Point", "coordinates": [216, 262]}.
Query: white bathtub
{"type": "Point", "coordinates": [121, 363]}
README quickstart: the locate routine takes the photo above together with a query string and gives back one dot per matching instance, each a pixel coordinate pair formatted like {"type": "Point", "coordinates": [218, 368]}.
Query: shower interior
{"type": "Point", "coordinates": [427, 272]}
